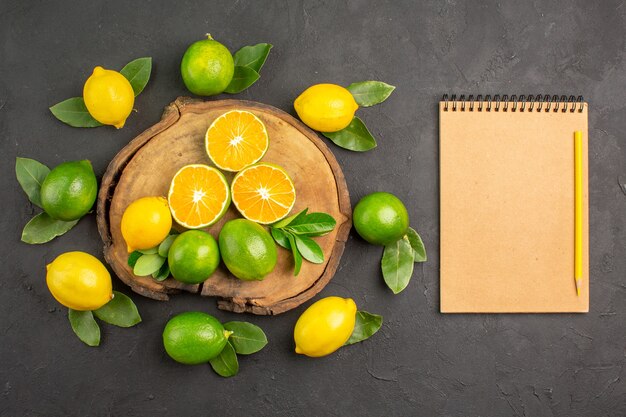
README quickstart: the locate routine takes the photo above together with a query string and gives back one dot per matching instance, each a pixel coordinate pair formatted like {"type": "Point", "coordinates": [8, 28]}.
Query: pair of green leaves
{"type": "Point", "coordinates": [399, 258]}
{"type": "Point", "coordinates": [365, 326]}
{"type": "Point", "coordinates": [248, 63]}
{"type": "Point", "coordinates": [246, 339]}
{"type": "Point", "coordinates": [152, 261]}
{"type": "Point", "coordinates": [73, 110]}
{"type": "Point", "coordinates": [356, 136]}
{"type": "Point", "coordinates": [295, 233]}
{"type": "Point", "coordinates": [120, 311]}
{"type": "Point", "coordinates": [42, 228]}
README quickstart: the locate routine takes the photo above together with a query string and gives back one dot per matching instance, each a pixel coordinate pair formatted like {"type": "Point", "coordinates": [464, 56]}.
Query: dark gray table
{"type": "Point", "coordinates": [421, 362]}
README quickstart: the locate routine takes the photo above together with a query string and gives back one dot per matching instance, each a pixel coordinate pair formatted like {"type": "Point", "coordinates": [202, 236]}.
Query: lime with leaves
{"type": "Point", "coordinates": [247, 249]}
{"type": "Point", "coordinates": [381, 218]}
{"type": "Point", "coordinates": [207, 67]}
{"type": "Point", "coordinates": [193, 257]}
{"type": "Point", "coordinates": [69, 190]}
{"type": "Point", "coordinates": [193, 337]}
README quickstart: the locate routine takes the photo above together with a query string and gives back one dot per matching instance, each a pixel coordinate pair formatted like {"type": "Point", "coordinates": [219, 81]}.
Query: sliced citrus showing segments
{"type": "Point", "coordinates": [199, 196]}
{"type": "Point", "coordinates": [263, 193]}
{"type": "Point", "coordinates": [235, 140]}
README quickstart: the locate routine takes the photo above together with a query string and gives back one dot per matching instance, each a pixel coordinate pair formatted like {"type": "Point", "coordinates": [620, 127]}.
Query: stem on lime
{"type": "Point", "coordinates": [227, 333]}
{"type": "Point", "coordinates": [208, 35]}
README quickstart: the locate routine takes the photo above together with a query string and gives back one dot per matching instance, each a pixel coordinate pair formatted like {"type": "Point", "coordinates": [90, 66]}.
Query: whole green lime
{"type": "Point", "coordinates": [69, 190]}
{"type": "Point", "coordinates": [193, 257]}
{"type": "Point", "coordinates": [194, 337]}
{"type": "Point", "coordinates": [380, 218]}
{"type": "Point", "coordinates": [247, 249]}
{"type": "Point", "coordinates": [207, 67]}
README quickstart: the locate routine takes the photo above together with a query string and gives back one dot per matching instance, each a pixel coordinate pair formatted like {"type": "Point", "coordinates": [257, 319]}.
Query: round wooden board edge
{"type": "Point", "coordinates": [159, 291]}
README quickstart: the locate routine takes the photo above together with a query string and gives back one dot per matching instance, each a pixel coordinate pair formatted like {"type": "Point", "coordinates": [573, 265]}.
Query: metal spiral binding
{"type": "Point", "coordinates": [530, 103]}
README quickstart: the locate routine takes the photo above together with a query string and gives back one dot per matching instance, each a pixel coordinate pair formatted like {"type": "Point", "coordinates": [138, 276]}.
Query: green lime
{"type": "Point", "coordinates": [247, 249]}
{"type": "Point", "coordinates": [194, 337]}
{"type": "Point", "coordinates": [69, 190]}
{"type": "Point", "coordinates": [207, 67]}
{"type": "Point", "coordinates": [380, 218]}
{"type": "Point", "coordinates": [193, 257]}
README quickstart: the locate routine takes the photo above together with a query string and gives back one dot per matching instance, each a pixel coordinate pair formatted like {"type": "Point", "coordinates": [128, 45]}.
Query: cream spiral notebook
{"type": "Point", "coordinates": [507, 204]}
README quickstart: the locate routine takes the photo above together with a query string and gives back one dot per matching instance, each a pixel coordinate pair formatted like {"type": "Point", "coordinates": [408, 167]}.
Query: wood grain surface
{"type": "Point", "coordinates": [147, 164]}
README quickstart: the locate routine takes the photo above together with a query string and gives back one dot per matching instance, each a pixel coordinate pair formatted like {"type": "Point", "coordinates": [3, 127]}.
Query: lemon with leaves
{"type": "Point", "coordinates": [79, 281]}
{"type": "Point", "coordinates": [326, 107]}
{"type": "Point", "coordinates": [109, 97]}
{"type": "Point", "coordinates": [325, 326]}
{"type": "Point", "coordinates": [146, 222]}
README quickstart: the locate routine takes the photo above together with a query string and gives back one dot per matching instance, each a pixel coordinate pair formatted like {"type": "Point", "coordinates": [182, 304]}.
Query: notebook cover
{"type": "Point", "coordinates": [507, 211]}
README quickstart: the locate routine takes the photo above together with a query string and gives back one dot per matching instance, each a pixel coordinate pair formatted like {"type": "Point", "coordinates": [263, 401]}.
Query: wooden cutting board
{"type": "Point", "coordinates": [147, 164]}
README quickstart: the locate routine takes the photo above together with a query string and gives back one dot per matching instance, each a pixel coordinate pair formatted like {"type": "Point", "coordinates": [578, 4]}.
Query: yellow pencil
{"type": "Point", "coordinates": [578, 217]}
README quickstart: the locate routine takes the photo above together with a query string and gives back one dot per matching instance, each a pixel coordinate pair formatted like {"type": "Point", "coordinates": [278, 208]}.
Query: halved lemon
{"type": "Point", "coordinates": [263, 193]}
{"type": "Point", "coordinates": [235, 140]}
{"type": "Point", "coordinates": [199, 196]}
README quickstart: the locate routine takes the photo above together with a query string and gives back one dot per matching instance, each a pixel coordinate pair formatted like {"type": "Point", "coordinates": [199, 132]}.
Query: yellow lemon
{"type": "Point", "coordinates": [109, 97]}
{"type": "Point", "coordinates": [79, 281]}
{"type": "Point", "coordinates": [146, 222]}
{"type": "Point", "coordinates": [325, 326]}
{"type": "Point", "coordinates": [326, 107]}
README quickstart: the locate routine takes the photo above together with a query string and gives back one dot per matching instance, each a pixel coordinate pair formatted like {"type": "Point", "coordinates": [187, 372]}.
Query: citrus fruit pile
{"type": "Point", "coordinates": [199, 196]}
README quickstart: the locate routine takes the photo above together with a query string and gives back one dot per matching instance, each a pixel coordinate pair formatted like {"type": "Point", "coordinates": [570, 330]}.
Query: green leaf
{"type": "Point", "coordinates": [137, 72]}
{"type": "Point", "coordinates": [280, 237]}
{"type": "Point", "coordinates": [355, 137]}
{"type": "Point", "coordinates": [42, 228]}
{"type": "Point", "coordinates": [30, 174]}
{"type": "Point", "coordinates": [419, 251]}
{"type": "Point", "coordinates": [397, 265]}
{"type": "Point", "coordinates": [246, 338]}
{"type": "Point", "coordinates": [297, 258]}
{"type": "Point", "coordinates": [243, 78]}
{"type": "Point", "coordinates": [147, 264]}
{"type": "Point", "coordinates": [366, 325]}
{"type": "Point", "coordinates": [132, 258]}
{"type": "Point", "coordinates": [226, 364]}
{"type": "Point", "coordinates": [309, 249]}
{"type": "Point", "coordinates": [85, 326]}
{"type": "Point", "coordinates": [120, 311]}
{"type": "Point", "coordinates": [252, 57]}
{"type": "Point", "coordinates": [164, 247]}
{"type": "Point", "coordinates": [313, 224]}
{"type": "Point", "coordinates": [163, 273]}
{"type": "Point", "coordinates": [288, 220]}
{"type": "Point", "coordinates": [74, 113]}
{"type": "Point", "coordinates": [150, 251]}
{"type": "Point", "coordinates": [368, 93]}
